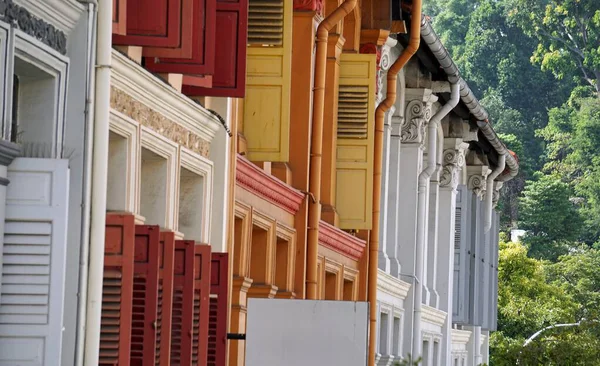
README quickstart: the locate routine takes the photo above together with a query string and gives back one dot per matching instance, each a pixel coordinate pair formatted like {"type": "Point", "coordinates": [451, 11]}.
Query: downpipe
{"type": "Point", "coordinates": [489, 191]}
{"type": "Point", "coordinates": [99, 182]}
{"type": "Point", "coordinates": [424, 178]}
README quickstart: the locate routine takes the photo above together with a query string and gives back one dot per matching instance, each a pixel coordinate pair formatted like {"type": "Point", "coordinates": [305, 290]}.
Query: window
{"type": "Point", "coordinates": [153, 188]}
{"type": "Point", "coordinates": [123, 164]}
{"type": "Point", "coordinates": [348, 290]}
{"type": "Point", "coordinates": [330, 286]}
{"type": "Point", "coordinates": [191, 205]}
{"type": "Point", "coordinates": [282, 264]}
{"type": "Point", "coordinates": [436, 352]}
{"type": "Point", "coordinates": [426, 353]}
{"type": "Point", "coordinates": [396, 337]}
{"type": "Point", "coordinates": [383, 333]}
{"type": "Point", "coordinates": [259, 255]}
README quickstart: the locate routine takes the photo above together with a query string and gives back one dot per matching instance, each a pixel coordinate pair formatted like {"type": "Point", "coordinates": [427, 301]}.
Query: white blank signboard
{"type": "Point", "coordinates": [306, 332]}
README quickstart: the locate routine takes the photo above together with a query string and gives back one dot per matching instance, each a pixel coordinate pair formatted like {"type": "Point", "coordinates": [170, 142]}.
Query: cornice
{"type": "Point", "coordinates": [340, 241]}
{"type": "Point", "coordinates": [255, 180]}
{"type": "Point", "coordinates": [140, 84]}
{"type": "Point", "coordinates": [391, 285]}
{"type": "Point", "coordinates": [434, 316]}
{"type": "Point", "coordinates": [62, 14]}
{"type": "Point", "coordinates": [461, 336]}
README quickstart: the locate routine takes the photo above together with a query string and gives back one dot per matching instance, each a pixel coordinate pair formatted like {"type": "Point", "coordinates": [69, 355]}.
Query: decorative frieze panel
{"type": "Point", "coordinates": [39, 29]}
{"type": "Point", "coordinates": [124, 103]}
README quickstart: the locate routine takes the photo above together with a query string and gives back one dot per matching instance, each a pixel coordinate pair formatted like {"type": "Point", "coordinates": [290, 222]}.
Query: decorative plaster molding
{"type": "Point", "coordinates": [434, 316]}
{"type": "Point", "coordinates": [340, 241]}
{"type": "Point", "coordinates": [160, 97]}
{"type": "Point", "coordinates": [255, 180]}
{"type": "Point", "coordinates": [146, 116]}
{"type": "Point", "coordinates": [461, 336]}
{"type": "Point", "coordinates": [477, 179]}
{"type": "Point", "coordinates": [62, 14]}
{"type": "Point", "coordinates": [417, 115]}
{"type": "Point", "coordinates": [34, 26]}
{"type": "Point", "coordinates": [453, 162]}
{"type": "Point", "coordinates": [391, 285]}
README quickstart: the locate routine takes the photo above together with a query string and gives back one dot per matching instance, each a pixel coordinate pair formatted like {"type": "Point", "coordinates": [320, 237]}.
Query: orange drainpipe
{"type": "Point", "coordinates": [316, 149]}
{"type": "Point", "coordinates": [388, 102]}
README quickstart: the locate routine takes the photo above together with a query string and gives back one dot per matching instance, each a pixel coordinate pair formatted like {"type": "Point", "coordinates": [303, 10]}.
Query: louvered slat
{"type": "Point", "coordinates": [353, 112]}
{"type": "Point", "coordinates": [265, 22]}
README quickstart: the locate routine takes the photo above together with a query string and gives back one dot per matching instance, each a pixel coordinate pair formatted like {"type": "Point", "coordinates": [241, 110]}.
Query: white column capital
{"type": "Point", "coordinates": [417, 114]}
{"type": "Point", "coordinates": [452, 162]}
{"type": "Point", "coordinates": [477, 179]}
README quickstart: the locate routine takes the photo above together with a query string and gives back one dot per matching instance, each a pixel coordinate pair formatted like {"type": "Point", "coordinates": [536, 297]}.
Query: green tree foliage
{"type": "Point", "coordinates": [534, 294]}
{"type": "Point", "coordinates": [568, 32]}
{"type": "Point", "coordinates": [549, 217]}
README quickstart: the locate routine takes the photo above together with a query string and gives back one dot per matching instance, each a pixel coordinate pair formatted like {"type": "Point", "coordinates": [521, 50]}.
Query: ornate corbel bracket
{"type": "Point", "coordinates": [416, 117]}
{"type": "Point", "coordinates": [453, 160]}
{"type": "Point", "coordinates": [477, 179]}
{"type": "Point", "coordinates": [496, 196]}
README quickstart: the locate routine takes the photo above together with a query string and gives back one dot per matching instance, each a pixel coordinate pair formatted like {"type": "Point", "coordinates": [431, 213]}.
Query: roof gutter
{"type": "Point", "coordinates": [440, 52]}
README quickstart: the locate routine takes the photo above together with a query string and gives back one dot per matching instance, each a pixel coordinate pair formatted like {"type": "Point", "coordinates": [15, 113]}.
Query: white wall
{"type": "Point", "coordinates": [303, 332]}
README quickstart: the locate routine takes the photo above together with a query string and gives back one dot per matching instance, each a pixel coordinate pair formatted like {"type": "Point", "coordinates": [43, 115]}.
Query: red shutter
{"type": "Point", "coordinates": [217, 324]}
{"type": "Point", "coordinates": [154, 23]}
{"type": "Point", "coordinates": [119, 17]}
{"type": "Point", "coordinates": [202, 59]}
{"type": "Point", "coordinates": [145, 295]}
{"type": "Point", "coordinates": [202, 261]}
{"type": "Point", "coordinates": [117, 290]}
{"type": "Point", "coordinates": [165, 299]}
{"type": "Point", "coordinates": [183, 303]}
{"type": "Point", "coordinates": [229, 78]}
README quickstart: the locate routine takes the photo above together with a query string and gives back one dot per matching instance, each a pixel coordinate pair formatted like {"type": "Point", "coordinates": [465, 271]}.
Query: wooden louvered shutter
{"type": "Point", "coordinates": [33, 262]}
{"type": "Point", "coordinates": [202, 58]}
{"type": "Point", "coordinates": [462, 259]}
{"type": "Point", "coordinates": [355, 140]}
{"type": "Point", "coordinates": [266, 124]}
{"type": "Point", "coordinates": [229, 77]}
{"type": "Point", "coordinates": [183, 303]}
{"type": "Point", "coordinates": [202, 261]}
{"type": "Point", "coordinates": [165, 299]}
{"type": "Point", "coordinates": [145, 295]}
{"type": "Point", "coordinates": [217, 335]}
{"type": "Point", "coordinates": [153, 23]}
{"type": "Point", "coordinates": [119, 17]}
{"type": "Point", "coordinates": [117, 290]}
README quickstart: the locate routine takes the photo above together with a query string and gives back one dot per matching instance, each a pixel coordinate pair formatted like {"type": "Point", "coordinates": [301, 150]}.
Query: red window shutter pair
{"type": "Point", "coordinates": [217, 333]}
{"type": "Point", "coordinates": [183, 303]}
{"type": "Point", "coordinates": [145, 295]}
{"type": "Point", "coordinates": [229, 77]}
{"type": "Point", "coordinates": [179, 36]}
{"type": "Point", "coordinates": [117, 290]}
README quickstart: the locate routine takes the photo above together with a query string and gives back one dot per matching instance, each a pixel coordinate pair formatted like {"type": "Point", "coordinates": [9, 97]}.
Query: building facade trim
{"type": "Point", "coordinates": [391, 285]}
{"type": "Point", "coordinates": [254, 179]}
{"type": "Point", "coordinates": [152, 92]}
{"type": "Point", "coordinates": [434, 316]}
{"type": "Point", "coordinates": [25, 21]}
{"type": "Point", "coordinates": [340, 241]}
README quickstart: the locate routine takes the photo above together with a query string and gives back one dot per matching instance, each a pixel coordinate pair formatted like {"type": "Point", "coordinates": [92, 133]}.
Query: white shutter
{"type": "Point", "coordinates": [33, 264]}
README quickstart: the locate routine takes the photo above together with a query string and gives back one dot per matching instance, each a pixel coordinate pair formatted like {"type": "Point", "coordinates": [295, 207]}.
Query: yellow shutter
{"type": "Point", "coordinates": [266, 124]}
{"type": "Point", "coordinates": [355, 140]}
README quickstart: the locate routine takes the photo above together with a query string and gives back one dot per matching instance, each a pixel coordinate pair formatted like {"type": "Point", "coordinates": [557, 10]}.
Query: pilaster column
{"type": "Point", "coordinates": [412, 135]}
{"type": "Point", "coordinates": [387, 178]}
{"type": "Point", "coordinates": [430, 295]}
{"type": "Point", "coordinates": [453, 160]}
